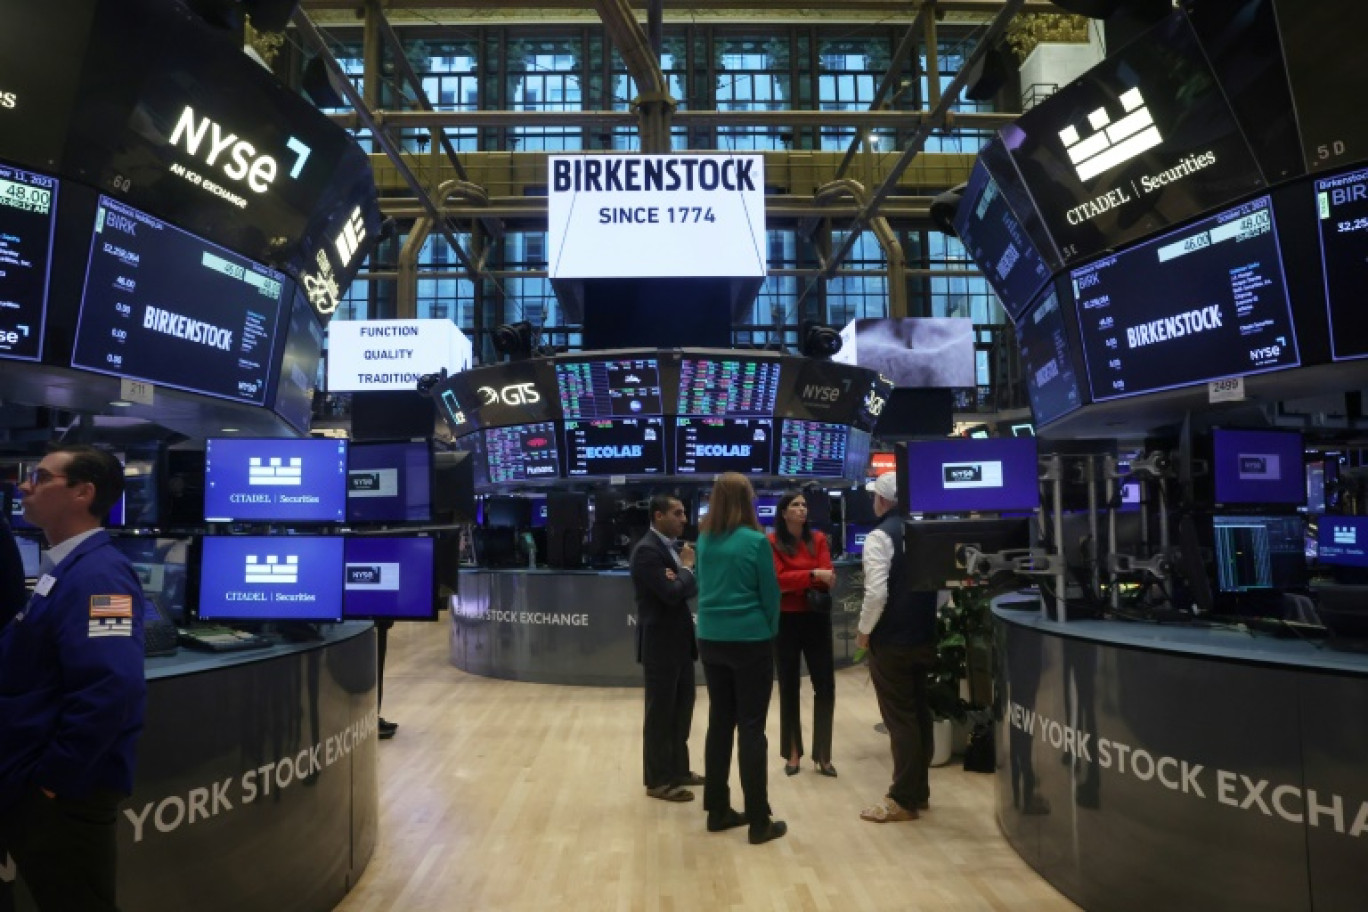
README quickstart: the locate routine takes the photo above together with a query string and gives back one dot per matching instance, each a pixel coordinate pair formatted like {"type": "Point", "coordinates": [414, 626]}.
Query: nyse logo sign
{"type": "Point", "coordinates": [271, 569]}
{"type": "Point", "coordinates": [1111, 143]}
{"type": "Point", "coordinates": [373, 483]}
{"type": "Point", "coordinates": [959, 475]}
{"type": "Point", "coordinates": [372, 576]}
{"type": "Point", "coordinates": [1259, 467]}
{"type": "Point", "coordinates": [513, 394]}
{"type": "Point", "coordinates": [237, 157]}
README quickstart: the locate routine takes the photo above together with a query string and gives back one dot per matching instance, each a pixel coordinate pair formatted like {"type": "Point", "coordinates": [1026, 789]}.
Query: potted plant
{"type": "Point", "coordinates": [962, 629]}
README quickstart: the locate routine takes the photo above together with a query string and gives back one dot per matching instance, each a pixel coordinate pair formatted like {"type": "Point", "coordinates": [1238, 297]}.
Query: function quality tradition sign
{"type": "Point", "coordinates": [392, 354]}
{"type": "Point", "coordinates": [656, 216]}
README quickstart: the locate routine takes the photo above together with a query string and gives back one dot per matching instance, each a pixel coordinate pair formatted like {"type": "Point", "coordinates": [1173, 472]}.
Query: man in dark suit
{"type": "Point", "coordinates": [664, 582]}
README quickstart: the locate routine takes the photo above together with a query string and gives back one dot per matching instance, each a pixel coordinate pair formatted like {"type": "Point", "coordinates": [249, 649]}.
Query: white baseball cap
{"type": "Point", "coordinates": [886, 486]}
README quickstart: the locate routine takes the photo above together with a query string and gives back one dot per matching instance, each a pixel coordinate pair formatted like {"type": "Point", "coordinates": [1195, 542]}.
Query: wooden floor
{"type": "Point", "coordinates": [503, 796]}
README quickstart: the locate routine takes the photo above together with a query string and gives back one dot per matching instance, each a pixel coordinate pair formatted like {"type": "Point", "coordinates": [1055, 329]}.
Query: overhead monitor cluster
{"type": "Point", "coordinates": [653, 413]}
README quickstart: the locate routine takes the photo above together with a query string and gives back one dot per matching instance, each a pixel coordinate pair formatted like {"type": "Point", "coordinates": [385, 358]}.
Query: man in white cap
{"type": "Point", "coordinates": [898, 627]}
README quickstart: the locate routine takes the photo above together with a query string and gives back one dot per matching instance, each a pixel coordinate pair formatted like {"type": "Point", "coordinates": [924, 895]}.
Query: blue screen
{"type": "Point", "coordinates": [1258, 467]}
{"type": "Point", "coordinates": [389, 482]}
{"type": "Point", "coordinates": [1342, 541]}
{"type": "Point", "coordinates": [271, 578]}
{"type": "Point", "coordinates": [538, 510]}
{"type": "Point", "coordinates": [29, 552]}
{"type": "Point", "coordinates": [964, 475]}
{"type": "Point", "coordinates": [275, 480]}
{"type": "Point", "coordinates": [389, 578]}
{"type": "Point", "coordinates": [855, 534]}
{"type": "Point", "coordinates": [766, 509]}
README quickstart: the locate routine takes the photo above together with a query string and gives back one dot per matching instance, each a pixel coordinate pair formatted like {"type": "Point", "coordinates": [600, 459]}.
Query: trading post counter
{"type": "Point", "coordinates": [256, 782]}
{"type": "Point", "coordinates": [1146, 766]}
{"type": "Point", "coordinates": [579, 626]}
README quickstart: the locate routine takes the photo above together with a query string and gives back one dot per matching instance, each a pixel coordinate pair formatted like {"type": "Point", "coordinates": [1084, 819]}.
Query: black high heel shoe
{"type": "Point", "coordinates": [791, 769]}
{"type": "Point", "coordinates": [826, 769]}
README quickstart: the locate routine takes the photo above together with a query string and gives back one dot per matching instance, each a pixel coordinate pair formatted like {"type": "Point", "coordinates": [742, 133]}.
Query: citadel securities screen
{"type": "Point", "coordinates": [1198, 304]}
{"type": "Point", "coordinates": [1342, 207]}
{"type": "Point", "coordinates": [1342, 541]}
{"type": "Point", "coordinates": [163, 305]}
{"type": "Point", "coordinates": [963, 475]}
{"type": "Point", "coordinates": [275, 480]}
{"type": "Point", "coordinates": [28, 207]}
{"type": "Point", "coordinates": [644, 216]}
{"type": "Point", "coordinates": [1047, 359]}
{"type": "Point", "coordinates": [996, 240]}
{"type": "Point", "coordinates": [707, 446]}
{"type": "Point", "coordinates": [615, 446]}
{"type": "Point", "coordinates": [270, 578]}
{"type": "Point", "coordinates": [1141, 141]}
{"type": "Point", "coordinates": [389, 578]}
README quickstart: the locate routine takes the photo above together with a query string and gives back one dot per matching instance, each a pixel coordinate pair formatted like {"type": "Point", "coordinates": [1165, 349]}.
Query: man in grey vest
{"type": "Point", "coordinates": [898, 627]}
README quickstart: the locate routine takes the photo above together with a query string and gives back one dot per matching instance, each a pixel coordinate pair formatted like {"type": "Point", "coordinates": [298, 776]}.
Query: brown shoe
{"type": "Point", "coordinates": [887, 811]}
{"type": "Point", "coordinates": [670, 793]}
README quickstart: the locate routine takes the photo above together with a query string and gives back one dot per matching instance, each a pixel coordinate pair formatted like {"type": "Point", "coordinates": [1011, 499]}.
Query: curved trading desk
{"type": "Point", "coordinates": [256, 783]}
{"type": "Point", "coordinates": [578, 626]}
{"type": "Point", "coordinates": [1146, 767]}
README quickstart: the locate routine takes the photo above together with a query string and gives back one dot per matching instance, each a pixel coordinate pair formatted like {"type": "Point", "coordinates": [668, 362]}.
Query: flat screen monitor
{"type": "Point", "coordinates": [728, 387]}
{"type": "Point", "coordinates": [857, 455]}
{"type": "Point", "coordinates": [614, 446]}
{"type": "Point", "coordinates": [1257, 468]}
{"type": "Point", "coordinates": [1143, 140]}
{"type": "Point", "coordinates": [1259, 552]}
{"type": "Point", "coordinates": [1315, 487]}
{"type": "Point", "coordinates": [180, 489]}
{"type": "Point", "coordinates": [163, 568]}
{"type": "Point", "coordinates": [766, 507]}
{"type": "Point", "coordinates": [30, 552]}
{"type": "Point", "coordinates": [507, 511]}
{"type": "Point", "coordinates": [855, 535]}
{"type": "Point", "coordinates": [389, 482]}
{"type": "Point", "coordinates": [1342, 210]}
{"type": "Point", "coordinates": [1320, 43]}
{"type": "Point", "coordinates": [996, 241]}
{"type": "Point", "coordinates": [270, 578]}
{"type": "Point", "coordinates": [1342, 541]}
{"type": "Point", "coordinates": [934, 549]}
{"type": "Point", "coordinates": [389, 578]}
{"type": "Point", "coordinates": [275, 480]}
{"type": "Point", "coordinates": [539, 511]}
{"type": "Point", "coordinates": [1202, 303]}
{"type": "Point", "coordinates": [599, 388]}
{"type": "Point", "coordinates": [16, 511]}
{"type": "Point", "coordinates": [1047, 360]}
{"type": "Point", "coordinates": [813, 449]}
{"type": "Point", "coordinates": [163, 305]}
{"type": "Point", "coordinates": [523, 452]}
{"type": "Point", "coordinates": [966, 475]}
{"type": "Point", "coordinates": [28, 217]}
{"type": "Point", "coordinates": [710, 446]}
{"type": "Point", "coordinates": [297, 378]}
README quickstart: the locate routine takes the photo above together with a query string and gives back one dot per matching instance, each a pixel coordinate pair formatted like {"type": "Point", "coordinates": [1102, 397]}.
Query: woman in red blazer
{"type": "Point", "coordinates": [802, 560]}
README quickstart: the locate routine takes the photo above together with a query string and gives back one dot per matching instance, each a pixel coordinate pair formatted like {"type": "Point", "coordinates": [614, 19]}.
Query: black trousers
{"type": "Point", "coordinates": [805, 634]}
{"type": "Point", "coordinates": [670, 693]}
{"type": "Point", "coordinates": [740, 677]}
{"type": "Point", "coordinates": [64, 849]}
{"type": "Point", "coordinates": [900, 676]}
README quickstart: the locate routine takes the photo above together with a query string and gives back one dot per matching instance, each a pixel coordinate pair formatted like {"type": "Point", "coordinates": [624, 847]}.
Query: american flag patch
{"type": "Point", "coordinates": [111, 615]}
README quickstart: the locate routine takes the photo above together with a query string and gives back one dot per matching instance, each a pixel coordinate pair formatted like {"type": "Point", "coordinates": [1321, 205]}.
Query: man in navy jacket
{"type": "Point", "coordinates": [666, 648]}
{"type": "Point", "coordinates": [72, 691]}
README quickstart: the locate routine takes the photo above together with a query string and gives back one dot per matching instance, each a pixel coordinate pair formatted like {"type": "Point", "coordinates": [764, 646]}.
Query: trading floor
{"type": "Point", "coordinates": [506, 796]}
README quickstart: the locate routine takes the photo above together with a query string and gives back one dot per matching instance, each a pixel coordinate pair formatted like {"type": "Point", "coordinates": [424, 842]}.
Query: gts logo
{"type": "Point", "coordinates": [8, 100]}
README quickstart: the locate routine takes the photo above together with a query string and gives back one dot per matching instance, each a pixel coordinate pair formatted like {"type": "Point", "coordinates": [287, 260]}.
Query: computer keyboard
{"type": "Point", "coordinates": [222, 639]}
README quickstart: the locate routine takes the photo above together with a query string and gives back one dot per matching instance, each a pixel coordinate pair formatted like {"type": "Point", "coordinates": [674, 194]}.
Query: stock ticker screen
{"type": "Point", "coordinates": [27, 216]}
{"type": "Point", "coordinates": [523, 452]}
{"type": "Point", "coordinates": [731, 387]}
{"type": "Point", "coordinates": [1046, 360]}
{"type": "Point", "coordinates": [707, 446]}
{"type": "Point", "coordinates": [1342, 209]}
{"type": "Point", "coordinates": [615, 446]}
{"type": "Point", "coordinates": [163, 305]}
{"type": "Point", "coordinates": [813, 449]}
{"type": "Point", "coordinates": [609, 388]}
{"type": "Point", "coordinates": [1205, 302]}
{"type": "Point", "coordinates": [997, 241]}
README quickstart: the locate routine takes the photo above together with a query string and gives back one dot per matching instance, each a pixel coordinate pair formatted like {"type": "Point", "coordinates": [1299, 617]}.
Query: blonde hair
{"type": "Point", "coordinates": [731, 505]}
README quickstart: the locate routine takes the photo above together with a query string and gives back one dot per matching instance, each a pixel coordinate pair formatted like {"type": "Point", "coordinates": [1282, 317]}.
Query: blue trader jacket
{"type": "Point", "coordinates": [72, 691]}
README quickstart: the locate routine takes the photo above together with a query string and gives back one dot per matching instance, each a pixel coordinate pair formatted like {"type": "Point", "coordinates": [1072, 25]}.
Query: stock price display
{"type": "Point", "coordinates": [815, 449]}
{"type": "Point", "coordinates": [997, 242]}
{"type": "Point", "coordinates": [1051, 382]}
{"type": "Point", "coordinates": [731, 388]}
{"type": "Point", "coordinates": [615, 446]}
{"type": "Point", "coordinates": [163, 305]}
{"type": "Point", "coordinates": [1203, 303]}
{"type": "Point", "coordinates": [1342, 207]}
{"type": "Point", "coordinates": [620, 388]}
{"type": "Point", "coordinates": [26, 224]}
{"type": "Point", "coordinates": [525, 452]}
{"type": "Point", "coordinates": [713, 445]}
